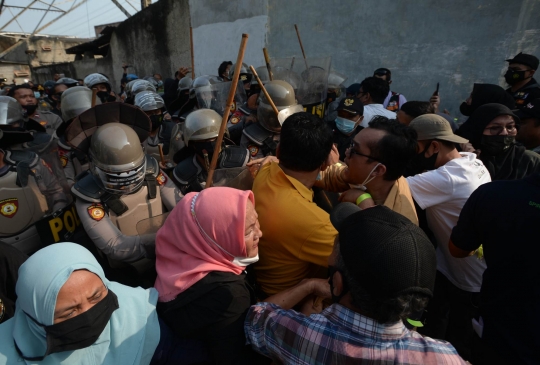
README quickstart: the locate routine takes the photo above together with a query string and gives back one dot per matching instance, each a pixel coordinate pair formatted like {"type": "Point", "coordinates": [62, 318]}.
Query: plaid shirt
{"type": "Point", "coordinates": [339, 335]}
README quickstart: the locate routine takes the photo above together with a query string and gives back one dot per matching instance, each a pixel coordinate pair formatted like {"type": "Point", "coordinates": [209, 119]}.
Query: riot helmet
{"type": "Point", "coordinates": [48, 85]}
{"type": "Point", "coordinates": [336, 80]}
{"type": "Point", "coordinates": [245, 74]}
{"type": "Point", "coordinates": [128, 87]}
{"type": "Point", "coordinates": [152, 80]}
{"type": "Point", "coordinates": [142, 85]}
{"type": "Point", "coordinates": [74, 101]}
{"type": "Point", "coordinates": [184, 84]}
{"type": "Point", "coordinates": [200, 125]}
{"type": "Point", "coordinates": [69, 82]}
{"type": "Point", "coordinates": [202, 90]}
{"type": "Point", "coordinates": [11, 111]}
{"type": "Point", "coordinates": [149, 100]}
{"type": "Point", "coordinates": [117, 158]}
{"type": "Point", "coordinates": [131, 77]}
{"type": "Point", "coordinates": [282, 94]}
{"type": "Point", "coordinates": [95, 79]}
{"type": "Point", "coordinates": [262, 71]}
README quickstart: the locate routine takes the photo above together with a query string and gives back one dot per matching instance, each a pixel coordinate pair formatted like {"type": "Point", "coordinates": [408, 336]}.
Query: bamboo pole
{"type": "Point", "coordinates": [192, 55]}
{"type": "Point", "coordinates": [301, 45]}
{"type": "Point", "coordinates": [268, 67]}
{"type": "Point", "coordinates": [227, 111]}
{"type": "Point", "coordinates": [270, 101]}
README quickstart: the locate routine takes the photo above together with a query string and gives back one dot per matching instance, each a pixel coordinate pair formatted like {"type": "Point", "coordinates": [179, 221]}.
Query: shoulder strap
{"type": "Point", "coordinates": [152, 171]}
{"type": "Point", "coordinates": [233, 156]}
{"type": "Point", "coordinates": [13, 158]}
{"type": "Point", "coordinates": [257, 134]}
{"type": "Point", "coordinates": [531, 86]}
{"type": "Point", "coordinates": [186, 171]}
{"type": "Point", "coordinates": [87, 188]}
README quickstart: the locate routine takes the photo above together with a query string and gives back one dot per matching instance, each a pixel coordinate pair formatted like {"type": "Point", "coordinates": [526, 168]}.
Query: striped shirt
{"type": "Point", "coordinates": [339, 335]}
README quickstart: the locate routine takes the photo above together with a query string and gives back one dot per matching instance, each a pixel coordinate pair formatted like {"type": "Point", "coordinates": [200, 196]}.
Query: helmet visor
{"type": "Point", "coordinates": [122, 182]}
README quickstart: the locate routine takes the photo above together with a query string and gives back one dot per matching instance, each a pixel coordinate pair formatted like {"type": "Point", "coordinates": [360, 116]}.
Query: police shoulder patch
{"type": "Point", "coordinates": [161, 178]}
{"type": "Point", "coordinates": [253, 150]}
{"type": "Point", "coordinates": [234, 120]}
{"type": "Point", "coordinates": [96, 211]}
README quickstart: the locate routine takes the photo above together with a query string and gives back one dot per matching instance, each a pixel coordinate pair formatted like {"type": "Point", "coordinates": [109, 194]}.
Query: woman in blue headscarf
{"type": "Point", "coordinates": [67, 312]}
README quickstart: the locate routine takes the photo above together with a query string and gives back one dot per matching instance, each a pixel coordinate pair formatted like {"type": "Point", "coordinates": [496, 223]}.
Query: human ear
{"type": "Point", "coordinates": [337, 282]}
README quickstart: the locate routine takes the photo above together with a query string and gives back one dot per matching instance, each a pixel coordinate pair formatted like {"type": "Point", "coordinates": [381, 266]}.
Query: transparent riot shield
{"type": "Point", "coordinates": [240, 178]}
{"type": "Point", "coordinates": [215, 96]}
{"type": "Point", "coordinates": [312, 84]}
{"type": "Point", "coordinates": [151, 225]}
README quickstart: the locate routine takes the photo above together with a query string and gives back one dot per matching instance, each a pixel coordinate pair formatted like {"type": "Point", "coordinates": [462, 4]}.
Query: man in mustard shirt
{"type": "Point", "coordinates": [298, 236]}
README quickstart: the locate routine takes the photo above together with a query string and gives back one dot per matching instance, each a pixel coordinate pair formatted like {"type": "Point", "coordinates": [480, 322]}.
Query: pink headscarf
{"type": "Point", "coordinates": [184, 255]}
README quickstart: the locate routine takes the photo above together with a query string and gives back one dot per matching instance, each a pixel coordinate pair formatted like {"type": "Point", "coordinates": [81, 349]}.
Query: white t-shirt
{"type": "Point", "coordinates": [443, 193]}
{"type": "Point", "coordinates": [371, 110]}
{"type": "Point", "coordinates": [402, 100]}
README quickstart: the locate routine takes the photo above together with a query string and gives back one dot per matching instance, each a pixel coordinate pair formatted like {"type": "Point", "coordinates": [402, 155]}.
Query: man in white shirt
{"type": "Point", "coordinates": [442, 190]}
{"type": "Point", "coordinates": [394, 100]}
{"type": "Point", "coordinates": [372, 93]}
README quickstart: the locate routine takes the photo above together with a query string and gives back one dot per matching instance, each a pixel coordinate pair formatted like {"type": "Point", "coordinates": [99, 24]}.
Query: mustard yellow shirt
{"type": "Point", "coordinates": [297, 235]}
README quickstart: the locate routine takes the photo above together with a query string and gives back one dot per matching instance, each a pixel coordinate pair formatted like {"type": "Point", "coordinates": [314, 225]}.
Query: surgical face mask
{"type": "Point", "coordinates": [345, 126]}
{"type": "Point", "coordinates": [245, 261]}
{"type": "Point", "coordinates": [37, 95]}
{"type": "Point", "coordinates": [81, 331]}
{"type": "Point", "coordinates": [495, 145]}
{"type": "Point", "coordinates": [160, 83]}
{"type": "Point", "coordinates": [466, 109]}
{"type": "Point", "coordinates": [512, 77]}
{"type": "Point", "coordinates": [368, 179]}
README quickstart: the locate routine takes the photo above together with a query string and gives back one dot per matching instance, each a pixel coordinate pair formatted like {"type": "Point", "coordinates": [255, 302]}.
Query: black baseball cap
{"type": "Point", "coordinates": [529, 110]}
{"type": "Point", "coordinates": [525, 59]}
{"type": "Point", "coordinates": [353, 89]}
{"type": "Point", "coordinates": [384, 251]}
{"type": "Point", "coordinates": [351, 105]}
{"type": "Point", "coordinates": [383, 72]}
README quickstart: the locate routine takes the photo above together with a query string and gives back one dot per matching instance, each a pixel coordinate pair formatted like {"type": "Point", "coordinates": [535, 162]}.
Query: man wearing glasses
{"type": "Point", "coordinates": [523, 87]}
{"type": "Point", "coordinates": [374, 166]}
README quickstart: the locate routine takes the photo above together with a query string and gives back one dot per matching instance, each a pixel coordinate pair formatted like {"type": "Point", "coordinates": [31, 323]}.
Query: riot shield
{"type": "Point", "coordinates": [151, 225]}
{"type": "Point", "coordinates": [240, 178]}
{"type": "Point", "coordinates": [312, 85]}
{"type": "Point", "coordinates": [215, 96]}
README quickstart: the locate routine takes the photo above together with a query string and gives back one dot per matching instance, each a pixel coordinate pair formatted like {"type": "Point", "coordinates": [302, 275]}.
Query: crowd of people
{"type": "Point", "coordinates": [359, 228]}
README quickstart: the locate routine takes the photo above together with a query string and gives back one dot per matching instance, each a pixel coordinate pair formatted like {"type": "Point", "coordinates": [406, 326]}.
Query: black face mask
{"type": "Point", "coordinates": [30, 109]}
{"type": "Point", "coordinates": [336, 298]}
{"type": "Point", "coordinates": [201, 147]}
{"type": "Point", "coordinates": [157, 120]}
{"type": "Point", "coordinates": [495, 145]}
{"type": "Point", "coordinates": [105, 97]}
{"type": "Point", "coordinates": [78, 332]}
{"type": "Point", "coordinates": [466, 109]}
{"type": "Point", "coordinates": [513, 77]}
{"type": "Point", "coordinates": [421, 163]}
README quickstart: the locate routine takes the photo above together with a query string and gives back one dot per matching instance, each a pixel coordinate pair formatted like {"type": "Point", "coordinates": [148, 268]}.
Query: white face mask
{"type": "Point", "coordinates": [245, 261]}
{"type": "Point", "coordinates": [366, 181]}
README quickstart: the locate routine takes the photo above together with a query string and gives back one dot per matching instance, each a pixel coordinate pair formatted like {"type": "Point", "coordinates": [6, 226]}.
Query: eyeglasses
{"type": "Point", "coordinates": [498, 129]}
{"type": "Point", "coordinates": [353, 151]}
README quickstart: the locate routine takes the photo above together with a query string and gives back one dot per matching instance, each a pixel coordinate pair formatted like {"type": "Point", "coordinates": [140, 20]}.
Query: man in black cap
{"type": "Point", "coordinates": [350, 114]}
{"type": "Point", "coordinates": [523, 87]}
{"type": "Point", "coordinates": [377, 279]}
{"type": "Point", "coordinates": [529, 128]}
{"type": "Point", "coordinates": [394, 100]}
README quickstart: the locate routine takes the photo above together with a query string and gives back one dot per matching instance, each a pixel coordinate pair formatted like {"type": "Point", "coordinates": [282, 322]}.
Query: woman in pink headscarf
{"type": "Point", "coordinates": [202, 252]}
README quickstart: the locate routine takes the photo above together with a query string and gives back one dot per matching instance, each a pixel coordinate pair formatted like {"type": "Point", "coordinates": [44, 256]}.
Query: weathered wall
{"type": "Point", "coordinates": [217, 31]}
{"type": "Point", "coordinates": [423, 42]}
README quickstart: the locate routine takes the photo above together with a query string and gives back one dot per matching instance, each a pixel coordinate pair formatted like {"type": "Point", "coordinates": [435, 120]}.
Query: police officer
{"type": "Point", "coordinates": [29, 189]}
{"type": "Point", "coordinates": [336, 91]}
{"type": "Point", "coordinates": [74, 101]}
{"type": "Point", "coordinates": [261, 138]}
{"type": "Point", "coordinates": [523, 87]}
{"type": "Point", "coordinates": [350, 113]}
{"type": "Point", "coordinates": [162, 131]}
{"type": "Point", "coordinates": [59, 87]}
{"type": "Point", "coordinates": [103, 86]}
{"type": "Point", "coordinates": [201, 130]}
{"type": "Point", "coordinates": [123, 185]}
{"type": "Point", "coordinates": [25, 96]}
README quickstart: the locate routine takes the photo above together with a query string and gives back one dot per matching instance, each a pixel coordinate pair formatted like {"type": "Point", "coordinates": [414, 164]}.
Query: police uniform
{"type": "Point", "coordinates": [526, 94]}
{"type": "Point", "coordinates": [237, 122]}
{"type": "Point", "coordinates": [48, 120]}
{"type": "Point", "coordinates": [169, 134]}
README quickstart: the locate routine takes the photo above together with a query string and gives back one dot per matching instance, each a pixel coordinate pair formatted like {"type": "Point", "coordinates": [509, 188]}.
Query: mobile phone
{"type": "Point", "coordinates": [436, 93]}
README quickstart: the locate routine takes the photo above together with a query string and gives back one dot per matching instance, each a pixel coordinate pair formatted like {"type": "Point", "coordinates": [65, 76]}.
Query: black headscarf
{"type": "Point", "coordinates": [483, 94]}
{"type": "Point", "coordinates": [512, 164]}
{"type": "Point", "coordinates": [10, 261]}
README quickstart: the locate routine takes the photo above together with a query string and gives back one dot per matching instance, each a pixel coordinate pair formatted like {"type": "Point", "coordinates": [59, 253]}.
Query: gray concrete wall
{"type": "Point", "coordinates": [423, 42]}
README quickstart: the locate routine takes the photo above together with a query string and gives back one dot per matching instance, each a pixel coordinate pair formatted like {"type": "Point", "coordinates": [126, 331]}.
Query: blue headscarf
{"type": "Point", "coordinates": [130, 337]}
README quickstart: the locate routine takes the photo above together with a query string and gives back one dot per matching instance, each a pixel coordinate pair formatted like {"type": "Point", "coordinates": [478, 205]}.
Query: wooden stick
{"type": "Point", "coordinates": [270, 101]}
{"type": "Point", "coordinates": [161, 155]}
{"type": "Point", "coordinates": [94, 96]}
{"type": "Point", "coordinates": [301, 46]}
{"type": "Point", "coordinates": [268, 67]}
{"type": "Point", "coordinates": [192, 55]}
{"type": "Point", "coordinates": [230, 99]}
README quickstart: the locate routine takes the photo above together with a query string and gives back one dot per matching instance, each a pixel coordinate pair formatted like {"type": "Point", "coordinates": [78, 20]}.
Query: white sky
{"type": "Point", "coordinates": [80, 22]}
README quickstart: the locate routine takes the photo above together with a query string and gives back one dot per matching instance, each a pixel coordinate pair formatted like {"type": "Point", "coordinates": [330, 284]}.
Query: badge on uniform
{"type": "Point", "coordinates": [43, 123]}
{"type": "Point", "coordinates": [348, 102]}
{"type": "Point", "coordinates": [253, 150]}
{"type": "Point", "coordinates": [234, 120]}
{"type": "Point", "coordinates": [9, 207]}
{"type": "Point", "coordinates": [46, 165]}
{"type": "Point", "coordinates": [161, 178]}
{"type": "Point", "coordinates": [520, 101]}
{"type": "Point", "coordinates": [96, 211]}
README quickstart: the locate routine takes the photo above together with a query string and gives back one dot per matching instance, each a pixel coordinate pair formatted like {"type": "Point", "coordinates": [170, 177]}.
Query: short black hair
{"type": "Point", "coordinates": [382, 310]}
{"type": "Point", "coordinates": [11, 91]}
{"type": "Point", "coordinates": [223, 67]}
{"type": "Point", "coordinates": [383, 72]}
{"type": "Point", "coordinates": [396, 149]}
{"type": "Point", "coordinates": [417, 108]}
{"type": "Point", "coordinates": [305, 142]}
{"type": "Point", "coordinates": [377, 88]}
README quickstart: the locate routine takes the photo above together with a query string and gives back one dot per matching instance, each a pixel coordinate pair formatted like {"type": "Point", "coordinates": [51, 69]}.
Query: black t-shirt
{"type": "Point", "coordinates": [504, 217]}
{"type": "Point", "coordinates": [527, 93]}
{"type": "Point", "coordinates": [342, 140]}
